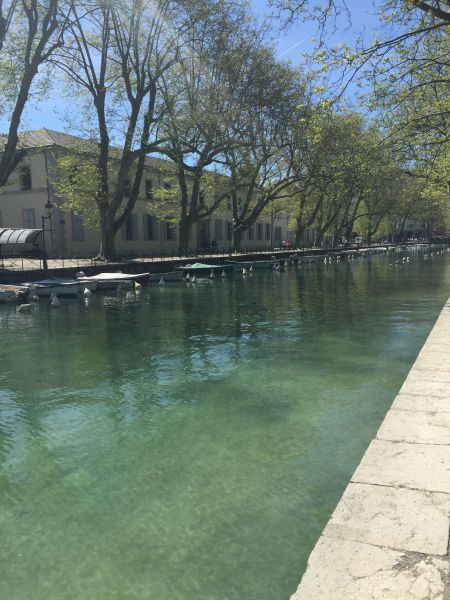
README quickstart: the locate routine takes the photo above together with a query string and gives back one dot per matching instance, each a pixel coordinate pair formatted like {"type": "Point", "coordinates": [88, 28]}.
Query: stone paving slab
{"type": "Point", "coordinates": [437, 345]}
{"type": "Point", "coordinates": [415, 466]}
{"type": "Point", "coordinates": [433, 361]}
{"type": "Point", "coordinates": [421, 403]}
{"type": "Point", "coordinates": [427, 385]}
{"type": "Point", "coordinates": [415, 427]}
{"type": "Point", "coordinates": [341, 569]}
{"type": "Point", "coordinates": [416, 376]}
{"type": "Point", "coordinates": [397, 518]}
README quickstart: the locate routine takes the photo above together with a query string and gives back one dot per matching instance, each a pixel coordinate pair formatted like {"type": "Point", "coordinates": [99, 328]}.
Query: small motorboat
{"type": "Point", "coordinates": [170, 276]}
{"type": "Point", "coordinates": [255, 264]}
{"type": "Point", "coordinates": [111, 281]}
{"type": "Point", "coordinates": [13, 293]}
{"type": "Point", "coordinates": [203, 269]}
{"type": "Point", "coordinates": [54, 286]}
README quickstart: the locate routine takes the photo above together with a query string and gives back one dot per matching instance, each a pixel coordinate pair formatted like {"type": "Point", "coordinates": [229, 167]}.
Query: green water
{"type": "Point", "coordinates": [192, 445]}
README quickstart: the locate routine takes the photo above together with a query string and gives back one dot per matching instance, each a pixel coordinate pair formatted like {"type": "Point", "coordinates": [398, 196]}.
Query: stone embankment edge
{"type": "Point", "coordinates": [388, 538]}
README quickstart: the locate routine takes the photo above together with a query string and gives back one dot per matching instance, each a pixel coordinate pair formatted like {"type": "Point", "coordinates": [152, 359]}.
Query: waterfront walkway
{"type": "Point", "coordinates": [388, 538]}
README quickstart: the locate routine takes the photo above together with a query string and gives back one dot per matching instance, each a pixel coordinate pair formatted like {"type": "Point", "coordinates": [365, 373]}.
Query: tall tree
{"type": "Point", "coordinates": [408, 60]}
{"type": "Point", "coordinates": [30, 32]}
{"type": "Point", "coordinates": [260, 172]}
{"type": "Point", "coordinates": [204, 100]}
{"type": "Point", "coordinates": [115, 59]}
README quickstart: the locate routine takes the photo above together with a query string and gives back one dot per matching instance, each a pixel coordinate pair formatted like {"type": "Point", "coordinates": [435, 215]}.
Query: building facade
{"type": "Point", "coordinates": [30, 201]}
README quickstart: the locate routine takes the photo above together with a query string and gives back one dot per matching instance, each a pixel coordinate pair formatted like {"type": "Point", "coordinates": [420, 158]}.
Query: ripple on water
{"type": "Point", "coordinates": [193, 445]}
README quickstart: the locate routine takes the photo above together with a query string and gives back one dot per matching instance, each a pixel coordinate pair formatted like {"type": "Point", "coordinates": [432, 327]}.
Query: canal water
{"type": "Point", "coordinates": [192, 445]}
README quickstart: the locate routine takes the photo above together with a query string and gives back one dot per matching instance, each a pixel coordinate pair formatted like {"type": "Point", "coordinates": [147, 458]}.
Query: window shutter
{"type": "Point", "coordinates": [134, 227]}
{"type": "Point", "coordinates": [144, 224]}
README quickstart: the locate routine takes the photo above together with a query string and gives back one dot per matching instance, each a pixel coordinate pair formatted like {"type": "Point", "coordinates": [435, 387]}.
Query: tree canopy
{"type": "Point", "coordinates": [198, 83]}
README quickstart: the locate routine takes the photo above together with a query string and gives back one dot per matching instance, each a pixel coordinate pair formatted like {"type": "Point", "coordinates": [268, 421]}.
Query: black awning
{"type": "Point", "coordinates": [19, 236]}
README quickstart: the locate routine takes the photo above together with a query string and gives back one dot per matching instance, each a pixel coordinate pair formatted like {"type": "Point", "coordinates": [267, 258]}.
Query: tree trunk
{"type": "Point", "coordinates": [108, 241]}
{"type": "Point", "coordinates": [401, 232]}
{"type": "Point", "coordinates": [236, 239]}
{"type": "Point", "coordinates": [183, 230]}
{"type": "Point", "coordinates": [299, 231]}
{"type": "Point", "coordinates": [318, 242]}
{"type": "Point", "coordinates": [11, 157]}
{"type": "Point", "coordinates": [349, 231]}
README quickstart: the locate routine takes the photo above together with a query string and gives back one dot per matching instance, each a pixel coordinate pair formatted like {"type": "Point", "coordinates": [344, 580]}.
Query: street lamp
{"type": "Point", "coordinates": [48, 216]}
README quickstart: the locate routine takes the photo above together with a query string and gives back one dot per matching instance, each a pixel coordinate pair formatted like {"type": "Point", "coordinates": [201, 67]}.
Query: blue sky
{"type": "Point", "coordinates": [289, 45]}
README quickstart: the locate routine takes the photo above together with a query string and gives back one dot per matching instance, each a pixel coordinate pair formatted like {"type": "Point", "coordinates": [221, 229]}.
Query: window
{"type": "Point", "coordinates": [150, 228]}
{"type": "Point", "coordinates": [229, 230]}
{"type": "Point", "coordinates": [28, 218]}
{"type": "Point", "coordinates": [277, 234]}
{"type": "Point", "coordinates": [77, 228]}
{"type": "Point", "coordinates": [126, 188]}
{"type": "Point", "coordinates": [25, 178]}
{"type": "Point", "coordinates": [250, 233]}
{"type": "Point", "coordinates": [203, 233]}
{"type": "Point", "coordinates": [169, 231]}
{"type": "Point", "coordinates": [218, 229]}
{"type": "Point", "coordinates": [267, 231]}
{"type": "Point", "coordinates": [130, 228]}
{"type": "Point", "coordinates": [259, 231]}
{"type": "Point", "coordinates": [149, 190]}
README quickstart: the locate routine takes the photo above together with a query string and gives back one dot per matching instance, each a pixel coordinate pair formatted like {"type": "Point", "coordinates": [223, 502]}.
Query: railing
{"type": "Point", "coordinates": [30, 263]}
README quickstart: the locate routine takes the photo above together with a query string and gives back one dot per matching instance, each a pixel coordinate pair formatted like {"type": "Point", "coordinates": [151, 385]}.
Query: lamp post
{"type": "Point", "coordinates": [48, 207]}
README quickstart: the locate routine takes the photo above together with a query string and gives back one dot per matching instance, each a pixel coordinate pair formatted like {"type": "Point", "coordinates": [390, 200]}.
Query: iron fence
{"type": "Point", "coordinates": [30, 263]}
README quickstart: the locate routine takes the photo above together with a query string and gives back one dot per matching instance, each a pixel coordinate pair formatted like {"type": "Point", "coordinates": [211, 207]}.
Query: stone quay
{"type": "Point", "coordinates": [388, 538]}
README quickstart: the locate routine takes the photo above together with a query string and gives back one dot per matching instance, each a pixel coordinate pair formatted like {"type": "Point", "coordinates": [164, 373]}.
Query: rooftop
{"type": "Point", "coordinates": [47, 138]}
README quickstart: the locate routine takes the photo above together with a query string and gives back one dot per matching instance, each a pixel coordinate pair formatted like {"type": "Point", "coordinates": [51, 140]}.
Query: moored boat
{"type": "Point", "coordinates": [203, 269]}
{"type": "Point", "coordinates": [111, 281]}
{"type": "Point", "coordinates": [255, 264]}
{"type": "Point", "coordinates": [13, 293]}
{"type": "Point", "coordinates": [55, 286]}
{"type": "Point", "coordinates": [170, 276]}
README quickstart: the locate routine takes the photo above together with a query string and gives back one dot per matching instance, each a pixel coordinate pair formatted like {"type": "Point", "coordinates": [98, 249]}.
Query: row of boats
{"type": "Point", "coordinates": [82, 284]}
{"type": "Point", "coordinates": [66, 287]}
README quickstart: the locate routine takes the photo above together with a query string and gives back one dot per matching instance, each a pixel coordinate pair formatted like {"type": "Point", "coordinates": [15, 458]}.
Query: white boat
{"type": "Point", "coordinates": [111, 281]}
{"type": "Point", "coordinates": [170, 276]}
{"type": "Point", "coordinates": [203, 269]}
{"type": "Point", "coordinates": [60, 286]}
{"type": "Point", "coordinates": [13, 293]}
{"type": "Point", "coordinates": [255, 264]}
{"type": "Point", "coordinates": [309, 259]}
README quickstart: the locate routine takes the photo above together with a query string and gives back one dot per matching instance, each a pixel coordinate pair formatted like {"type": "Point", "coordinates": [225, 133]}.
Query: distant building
{"type": "Point", "coordinates": [23, 200]}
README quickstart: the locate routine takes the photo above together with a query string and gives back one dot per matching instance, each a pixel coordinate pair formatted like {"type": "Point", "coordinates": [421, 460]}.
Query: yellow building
{"type": "Point", "coordinates": [23, 205]}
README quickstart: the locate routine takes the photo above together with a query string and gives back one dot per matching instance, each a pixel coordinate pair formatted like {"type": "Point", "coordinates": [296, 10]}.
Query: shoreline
{"type": "Point", "coordinates": [388, 537]}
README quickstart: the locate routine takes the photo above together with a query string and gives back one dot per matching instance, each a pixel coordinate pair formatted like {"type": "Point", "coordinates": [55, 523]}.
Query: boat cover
{"type": "Point", "coordinates": [202, 266]}
{"type": "Point", "coordinates": [113, 277]}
